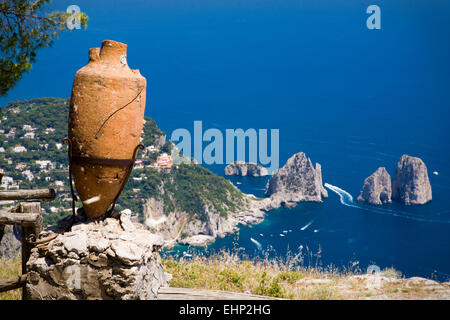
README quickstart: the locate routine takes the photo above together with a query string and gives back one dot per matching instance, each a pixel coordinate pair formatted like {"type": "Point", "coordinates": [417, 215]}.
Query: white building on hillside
{"type": "Point", "coordinates": [19, 149]}
{"type": "Point", "coordinates": [29, 135]}
{"type": "Point", "coordinates": [21, 166]}
{"type": "Point", "coordinates": [6, 182]}
{"type": "Point", "coordinates": [44, 164]}
{"type": "Point", "coordinates": [28, 175]}
{"type": "Point", "coordinates": [28, 128]}
{"type": "Point", "coordinates": [12, 133]}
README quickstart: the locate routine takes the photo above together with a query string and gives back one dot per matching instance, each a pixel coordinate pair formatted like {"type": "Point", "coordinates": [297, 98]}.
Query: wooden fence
{"type": "Point", "coordinates": [28, 216]}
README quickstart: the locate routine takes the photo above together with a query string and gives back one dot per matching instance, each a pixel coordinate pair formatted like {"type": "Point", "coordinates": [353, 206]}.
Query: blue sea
{"type": "Point", "coordinates": [351, 98]}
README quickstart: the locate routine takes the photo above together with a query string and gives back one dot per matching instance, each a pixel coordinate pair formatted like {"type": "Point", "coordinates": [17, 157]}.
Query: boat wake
{"type": "Point", "coordinates": [307, 225]}
{"type": "Point", "coordinates": [347, 200]}
{"type": "Point", "coordinates": [345, 197]}
{"type": "Point", "coordinates": [256, 242]}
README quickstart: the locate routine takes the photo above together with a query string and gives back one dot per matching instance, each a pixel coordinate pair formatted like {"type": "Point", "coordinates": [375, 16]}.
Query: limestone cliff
{"type": "Point", "coordinates": [241, 168]}
{"type": "Point", "coordinates": [411, 184]}
{"type": "Point", "coordinates": [179, 226]}
{"type": "Point", "coordinates": [296, 181]}
{"type": "Point", "coordinates": [377, 188]}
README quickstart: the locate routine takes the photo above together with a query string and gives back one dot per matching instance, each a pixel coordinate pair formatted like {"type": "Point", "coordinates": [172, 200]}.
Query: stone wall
{"type": "Point", "coordinates": [109, 258]}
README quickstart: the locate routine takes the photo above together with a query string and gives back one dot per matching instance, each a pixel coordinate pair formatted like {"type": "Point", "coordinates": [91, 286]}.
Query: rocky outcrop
{"type": "Point", "coordinates": [180, 227]}
{"type": "Point", "coordinates": [241, 168]}
{"type": "Point", "coordinates": [377, 188]}
{"type": "Point", "coordinates": [411, 184]}
{"type": "Point", "coordinates": [99, 259]}
{"type": "Point", "coordinates": [296, 181]}
{"type": "Point", "coordinates": [10, 246]}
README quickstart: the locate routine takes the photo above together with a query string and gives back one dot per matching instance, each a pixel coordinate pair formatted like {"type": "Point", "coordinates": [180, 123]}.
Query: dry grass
{"type": "Point", "coordinates": [282, 278]}
{"type": "Point", "coordinates": [270, 277]}
{"type": "Point", "coordinates": [289, 279]}
{"type": "Point", "coordinates": [8, 269]}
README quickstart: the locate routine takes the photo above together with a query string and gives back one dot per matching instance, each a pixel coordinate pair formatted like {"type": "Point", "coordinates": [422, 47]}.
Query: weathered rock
{"type": "Point", "coordinates": [10, 247]}
{"type": "Point", "coordinates": [198, 240]}
{"type": "Point", "coordinates": [75, 242]}
{"type": "Point", "coordinates": [411, 184]}
{"type": "Point", "coordinates": [101, 259]}
{"type": "Point", "coordinates": [377, 188]}
{"type": "Point", "coordinates": [241, 168]}
{"type": "Point", "coordinates": [178, 226]}
{"type": "Point", "coordinates": [296, 181]}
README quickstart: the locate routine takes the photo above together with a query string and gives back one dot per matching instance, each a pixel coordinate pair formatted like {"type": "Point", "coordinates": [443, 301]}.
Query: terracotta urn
{"type": "Point", "coordinates": [105, 124]}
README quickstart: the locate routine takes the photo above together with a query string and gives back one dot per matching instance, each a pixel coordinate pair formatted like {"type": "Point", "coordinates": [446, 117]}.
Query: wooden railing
{"type": "Point", "coordinates": [28, 216]}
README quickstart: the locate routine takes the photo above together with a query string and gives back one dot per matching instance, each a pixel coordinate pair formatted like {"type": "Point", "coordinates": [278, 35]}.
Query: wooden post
{"type": "Point", "coordinates": [13, 283]}
{"type": "Point", "coordinates": [41, 194]}
{"type": "Point", "coordinates": [2, 232]}
{"type": "Point", "coordinates": [2, 226]}
{"type": "Point", "coordinates": [27, 230]}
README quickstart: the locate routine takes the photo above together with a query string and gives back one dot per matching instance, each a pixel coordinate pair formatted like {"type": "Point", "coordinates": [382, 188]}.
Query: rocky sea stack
{"type": "Point", "coordinates": [298, 180]}
{"type": "Point", "coordinates": [241, 168]}
{"type": "Point", "coordinates": [411, 184]}
{"type": "Point", "coordinates": [377, 188]}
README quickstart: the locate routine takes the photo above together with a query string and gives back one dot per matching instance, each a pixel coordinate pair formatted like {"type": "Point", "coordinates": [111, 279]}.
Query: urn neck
{"type": "Point", "coordinates": [94, 55]}
{"type": "Point", "coordinates": [113, 52]}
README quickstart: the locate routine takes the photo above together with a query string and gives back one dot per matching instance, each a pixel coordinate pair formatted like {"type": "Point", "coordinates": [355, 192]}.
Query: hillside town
{"type": "Point", "coordinates": [32, 154]}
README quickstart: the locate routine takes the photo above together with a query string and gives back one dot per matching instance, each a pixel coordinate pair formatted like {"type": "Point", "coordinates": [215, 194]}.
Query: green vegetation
{"type": "Point", "coordinates": [193, 186]}
{"type": "Point", "coordinates": [152, 132]}
{"type": "Point", "coordinates": [186, 188]}
{"type": "Point", "coordinates": [25, 28]}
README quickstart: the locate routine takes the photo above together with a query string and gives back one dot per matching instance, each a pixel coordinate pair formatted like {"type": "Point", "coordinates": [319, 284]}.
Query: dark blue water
{"type": "Point", "coordinates": [352, 99]}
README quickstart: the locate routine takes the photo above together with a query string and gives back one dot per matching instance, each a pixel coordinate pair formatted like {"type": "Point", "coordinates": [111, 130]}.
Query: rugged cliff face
{"type": "Point", "coordinates": [296, 181]}
{"type": "Point", "coordinates": [411, 184]}
{"type": "Point", "coordinates": [179, 226]}
{"type": "Point", "coordinates": [377, 188]}
{"type": "Point", "coordinates": [241, 168]}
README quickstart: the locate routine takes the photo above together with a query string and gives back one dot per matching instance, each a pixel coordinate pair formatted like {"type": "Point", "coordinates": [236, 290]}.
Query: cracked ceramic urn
{"type": "Point", "coordinates": [105, 124]}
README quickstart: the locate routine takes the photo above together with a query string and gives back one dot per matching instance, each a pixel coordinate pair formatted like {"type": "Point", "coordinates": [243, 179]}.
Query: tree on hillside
{"type": "Point", "coordinates": [24, 29]}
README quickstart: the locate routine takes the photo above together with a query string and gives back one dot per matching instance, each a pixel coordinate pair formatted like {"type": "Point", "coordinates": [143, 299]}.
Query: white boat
{"type": "Point", "coordinates": [436, 173]}
{"type": "Point", "coordinates": [187, 255]}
